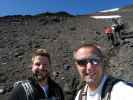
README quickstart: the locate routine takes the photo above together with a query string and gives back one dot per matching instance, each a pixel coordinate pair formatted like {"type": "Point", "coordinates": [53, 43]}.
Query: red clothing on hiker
{"type": "Point", "coordinates": [108, 30]}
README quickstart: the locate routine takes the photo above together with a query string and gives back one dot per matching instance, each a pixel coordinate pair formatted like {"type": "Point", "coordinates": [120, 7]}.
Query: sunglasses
{"type": "Point", "coordinates": [93, 61]}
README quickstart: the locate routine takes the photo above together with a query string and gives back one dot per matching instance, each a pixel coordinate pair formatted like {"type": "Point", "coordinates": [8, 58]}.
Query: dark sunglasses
{"type": "Point", "coordinates": [93, 61]}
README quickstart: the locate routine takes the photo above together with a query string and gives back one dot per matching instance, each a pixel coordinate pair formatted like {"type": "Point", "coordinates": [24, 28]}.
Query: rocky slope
{"type": "Point", "coordinates": [59, 33]}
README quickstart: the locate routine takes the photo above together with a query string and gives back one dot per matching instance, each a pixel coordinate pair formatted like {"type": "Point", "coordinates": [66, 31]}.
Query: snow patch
{"type": "Point", "coordinates": [110, 10]}
{"type": "Point", "coordinates": [106, 17]}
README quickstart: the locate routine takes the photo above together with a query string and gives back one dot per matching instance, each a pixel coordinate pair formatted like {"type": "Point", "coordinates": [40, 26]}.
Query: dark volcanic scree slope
{"type": "Point", "coordinates": [60, 33]}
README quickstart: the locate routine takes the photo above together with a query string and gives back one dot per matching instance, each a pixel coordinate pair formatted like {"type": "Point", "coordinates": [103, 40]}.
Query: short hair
{"type": "Point", "coordinates": [96, 47]}
{"type": "Point", "coordinates": [41, 52]}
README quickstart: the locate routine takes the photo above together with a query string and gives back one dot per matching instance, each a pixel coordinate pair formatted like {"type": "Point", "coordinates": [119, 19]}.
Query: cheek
{"type": "Point", "coordinates": [82, 70]}
{"type": "Point", "coordinates": [99, 70]}
{"type": "Point", "coordinates": [34, 68]}
{"type": "Point", "coordinates": [82, 73]}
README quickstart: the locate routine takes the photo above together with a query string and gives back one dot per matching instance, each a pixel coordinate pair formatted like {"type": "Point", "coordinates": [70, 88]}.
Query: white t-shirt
{"type": "Point", "coordinates": [120, 91]}
{"type": "Point", "coordinates": [45, 89]}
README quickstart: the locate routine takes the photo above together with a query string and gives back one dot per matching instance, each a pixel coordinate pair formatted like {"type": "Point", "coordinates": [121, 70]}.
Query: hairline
{"type": "Point", "coordinates": [41, 52]}
{"type": "Point", "coordinates": [93, 46]}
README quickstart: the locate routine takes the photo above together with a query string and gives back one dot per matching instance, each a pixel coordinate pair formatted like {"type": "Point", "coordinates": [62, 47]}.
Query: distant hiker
{"type": "Point", "coordinates": [109, 32]}
{"type": "Point", "coordinates": [121, 27]}
{"type": "Point", "coordinates": [116, 33]}
{"type": "Point", "coordinates": [40, 86]}
{"type": "Point", "coordinates": [89, 62]}
{"type": "Point", "coordinates": [118, 27]}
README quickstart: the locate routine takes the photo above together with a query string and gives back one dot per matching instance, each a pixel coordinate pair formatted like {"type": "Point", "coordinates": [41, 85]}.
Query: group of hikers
{"type": "Point", "coordinates": [114, 32]}
{"type": "Point", "coordinates": [96, 83]}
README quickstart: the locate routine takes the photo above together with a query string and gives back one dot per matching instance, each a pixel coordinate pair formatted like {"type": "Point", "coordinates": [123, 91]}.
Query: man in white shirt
{"type": "Point", "coordinates": [89, 62]}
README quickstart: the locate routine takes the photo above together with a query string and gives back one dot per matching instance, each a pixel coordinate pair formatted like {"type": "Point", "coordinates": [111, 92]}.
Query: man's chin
{"type": "Point", "coordinates": [89, 80]}
{"type": "Point", "coordinates": [40, 77]}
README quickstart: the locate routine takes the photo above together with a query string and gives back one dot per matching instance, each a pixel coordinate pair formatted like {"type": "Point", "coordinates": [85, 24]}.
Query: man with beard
{"type": "Point", "coordinates": [40, 86]}
{"type": "Point", "coordinates": [89, 62]}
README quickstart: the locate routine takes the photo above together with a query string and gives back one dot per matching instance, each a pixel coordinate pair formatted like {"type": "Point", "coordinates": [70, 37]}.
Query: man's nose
{"type": "Point", "coordinates": [41, 66]}
{"type": "Point", "coordinates": [89, 66]}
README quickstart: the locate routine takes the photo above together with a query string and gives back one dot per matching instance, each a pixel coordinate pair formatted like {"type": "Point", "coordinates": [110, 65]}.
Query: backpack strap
{"type": "Point", "coordinates": [129, 84]}
{"type": "Point", "coordinates": [107, 87]}
{"type": "Point", "coordinates": [27, 88]}
{"type": "Point", "coordinates": [83, 93]}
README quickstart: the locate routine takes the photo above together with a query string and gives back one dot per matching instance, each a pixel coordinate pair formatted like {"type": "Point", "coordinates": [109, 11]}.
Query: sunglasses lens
{"type": "Point", "coordinates": [94, 61]}
{"type": "Point", "coordinates": [82, 62]}
{"type": "Point", "coordinates": [85, 61]}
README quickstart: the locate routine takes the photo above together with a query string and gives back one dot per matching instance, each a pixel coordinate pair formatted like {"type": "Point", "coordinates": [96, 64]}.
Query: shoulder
{"type": "Point", "coordinates": [17, 88]}
{"type": "Point", "coordinates": [122, 85]}
{"type": "Point", "coordinates": [118, 84]}
{"type": "Point", "coordinates": [122, 90]}
{"type": "Point", "coordinates": [24, 85]}
{"type": "Point", "coordinates": [19, 85]}
{"type": "Point", "coordinates": [17, 93]}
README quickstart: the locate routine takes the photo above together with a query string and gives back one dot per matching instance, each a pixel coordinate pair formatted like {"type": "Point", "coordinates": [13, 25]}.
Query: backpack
{"type": "Point", "coordinates": [106, 90]}
{"type": "Point", "coordinates": [27, 88]}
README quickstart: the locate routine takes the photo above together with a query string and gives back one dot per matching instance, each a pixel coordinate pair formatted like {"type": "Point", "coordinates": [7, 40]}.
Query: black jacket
{"type": "Point", "coordinates": [54, 92]}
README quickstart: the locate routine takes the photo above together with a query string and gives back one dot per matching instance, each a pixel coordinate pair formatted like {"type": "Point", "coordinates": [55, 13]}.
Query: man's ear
{"type": "Point", "coordinates": [32, 60]}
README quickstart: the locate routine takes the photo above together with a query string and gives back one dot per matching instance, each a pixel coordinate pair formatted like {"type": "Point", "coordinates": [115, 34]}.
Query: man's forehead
{"type": "Point", "coordinates": [86, 52]}
{"type": "Point", "coordinates": [40, 58]}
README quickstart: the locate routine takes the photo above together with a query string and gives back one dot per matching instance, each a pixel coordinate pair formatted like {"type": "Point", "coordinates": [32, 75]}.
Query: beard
{"type": "Point", "coordinates": [90, 79]}
{"type": "Point", "coordinates": [40, 76]}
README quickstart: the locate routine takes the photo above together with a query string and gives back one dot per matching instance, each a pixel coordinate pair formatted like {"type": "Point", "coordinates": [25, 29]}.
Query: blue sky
{"type": "Point", "coordinates": [75, 7]}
